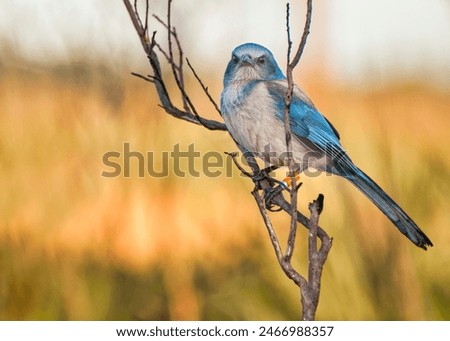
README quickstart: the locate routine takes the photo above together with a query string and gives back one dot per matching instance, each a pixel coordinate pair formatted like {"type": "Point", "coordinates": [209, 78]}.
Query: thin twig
{"type": "Point", "coordinates": [148, 78]}
{"type": "Point", "coordinates": [186, 99]}
{"type": "Point", "coordinates": [288, 30]}
{"type": "Point", "coordinates": [173, 65]}
{"type": "Point", "coordinates": [288, 138]}
{"type": "Point", "coordinates": [177, 69]}
{"type": "Point", "coordinates": [180, 66]}
{"type": "Point", "coordinates": [205, 88]}
{"type": "Point", "coordinates": [160, 21]}
{"type": "Point", "coordinates": [237, 164]}
{"type": "Point", "coordinates": [164, 53]}
{"type": "Point", "coordinates": [137, 15]}
{"type": "Point", "coordinates": [306, 31]}
{"type": "Point", "coordinates": [134, 16]}
{"type": "Point", "coordinates": [269, 226]}
{"type": "Point", "coordinates": [146, 19]}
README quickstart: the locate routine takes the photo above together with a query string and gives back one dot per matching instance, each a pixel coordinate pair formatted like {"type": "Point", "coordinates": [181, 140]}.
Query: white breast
{"type": "Point", "coordinates": [253, 125]}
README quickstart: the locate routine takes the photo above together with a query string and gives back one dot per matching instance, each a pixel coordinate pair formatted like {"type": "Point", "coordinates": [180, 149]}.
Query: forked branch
{"type": "Point", "coordinates": [310, 288]}
{"type": "Point", "coordinates": [157, 76]}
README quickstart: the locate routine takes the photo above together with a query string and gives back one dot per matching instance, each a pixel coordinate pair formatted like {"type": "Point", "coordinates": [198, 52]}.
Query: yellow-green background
{"type": "Point", "coordinates": [76, 245]}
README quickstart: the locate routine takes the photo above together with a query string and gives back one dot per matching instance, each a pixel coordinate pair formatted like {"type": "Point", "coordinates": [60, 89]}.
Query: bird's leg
{"type": "Point", "coordinates": [270, 193]}
{"type": "Point", "coordinates": [287, 182]}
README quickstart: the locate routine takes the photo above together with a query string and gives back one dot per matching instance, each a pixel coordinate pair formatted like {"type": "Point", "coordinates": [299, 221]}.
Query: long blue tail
{"type": "Point", "coordinates": [394, 212]}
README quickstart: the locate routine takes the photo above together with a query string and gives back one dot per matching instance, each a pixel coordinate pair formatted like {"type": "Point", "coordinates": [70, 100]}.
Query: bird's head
{"type": "Point", "coordinates": [251, 62]}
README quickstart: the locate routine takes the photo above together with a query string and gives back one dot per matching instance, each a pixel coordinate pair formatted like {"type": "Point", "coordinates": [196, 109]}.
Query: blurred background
{"type": "Point", "coordinates": [75, 245]}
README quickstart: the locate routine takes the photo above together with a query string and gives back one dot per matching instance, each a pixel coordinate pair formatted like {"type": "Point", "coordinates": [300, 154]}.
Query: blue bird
{"type": "Point", "coordinates": [252, 105]}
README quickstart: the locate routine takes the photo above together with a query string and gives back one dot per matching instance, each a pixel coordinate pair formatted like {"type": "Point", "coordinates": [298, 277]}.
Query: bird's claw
{"type": "Point", "coordinates": [276, 187]}
{"type": "Point", "coordinates": [271, 193]}
{"type": "Point", "coordinates": [263, 174]}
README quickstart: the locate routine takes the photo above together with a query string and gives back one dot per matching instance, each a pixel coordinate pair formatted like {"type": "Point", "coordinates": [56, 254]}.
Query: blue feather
{"type": "Point", "coordinates": [308, 124]}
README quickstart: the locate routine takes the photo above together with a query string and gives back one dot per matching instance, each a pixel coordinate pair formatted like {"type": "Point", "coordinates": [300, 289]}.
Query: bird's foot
{"type": "Point", "coordinates": [271, 193]}
{"type": "Point", "coordinates": [263, 174]}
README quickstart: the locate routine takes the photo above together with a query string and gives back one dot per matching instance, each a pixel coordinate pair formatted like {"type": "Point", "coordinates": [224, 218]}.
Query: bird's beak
{"type": "Point", "coordinates": [246, 61]}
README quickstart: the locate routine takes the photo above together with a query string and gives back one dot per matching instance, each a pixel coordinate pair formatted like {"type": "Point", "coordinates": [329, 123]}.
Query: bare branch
{"type": "Point", "coordinates": [134, 16]}
{"type": "Point", "coordinates": [177, 69]}
{"type": "Point", "coordinates": [164, 53]}
{"type": "Point", "coordinates": [288, 138]}
{"type": "Point", "coordinates": [310, 296]}
{"type": "Point", "coordinates": [243, 171]}
{"type": "Point", "coordinates": [146, 18]}
{"type": "Point", "coordinates": [160, 21]}
{"type": "Point", "coordinates": [149, 78]}
{"type": "Point", "coordinates": [306, 30]}
{"type": "Point", "coordinates": [288, 30]}
{"type": "Point", "coordinates": [288, 135]}
{"type": "Point", "coordinates": [177, 72]}
{"type": "Point", "coordinates": [205, 88]}
{"type": "Point", "coordinates": [180, 67]}
{"type": "Point", "coordinates": [264, 184]}
{"type": "Point", "coordinates": [310, 288]}
{"type": "Point", "coordinates": [159, 83]}
{"type": "Point", "coordinates": [269, 226]}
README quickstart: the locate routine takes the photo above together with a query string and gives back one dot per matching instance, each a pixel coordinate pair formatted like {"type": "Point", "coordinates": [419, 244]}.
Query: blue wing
{"type": "Point", "coordinates": [308, 125]}
{"type": "Point", "coordinates": [314, 130]}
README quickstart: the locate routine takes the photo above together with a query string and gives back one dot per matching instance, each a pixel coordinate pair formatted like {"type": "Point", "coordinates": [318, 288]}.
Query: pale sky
{"type": "Point", "coordinates": [379, 39]}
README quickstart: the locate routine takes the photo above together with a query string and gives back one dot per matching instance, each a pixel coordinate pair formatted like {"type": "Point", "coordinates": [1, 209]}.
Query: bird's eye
{"type": "Point", "coordinates": [235, 59]}
{"type": "Point", "coordinates": [261, 60]}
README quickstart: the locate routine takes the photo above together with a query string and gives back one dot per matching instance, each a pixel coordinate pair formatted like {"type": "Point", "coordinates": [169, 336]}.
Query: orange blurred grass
{"type": "Point", "coordinates": [204, 236]}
